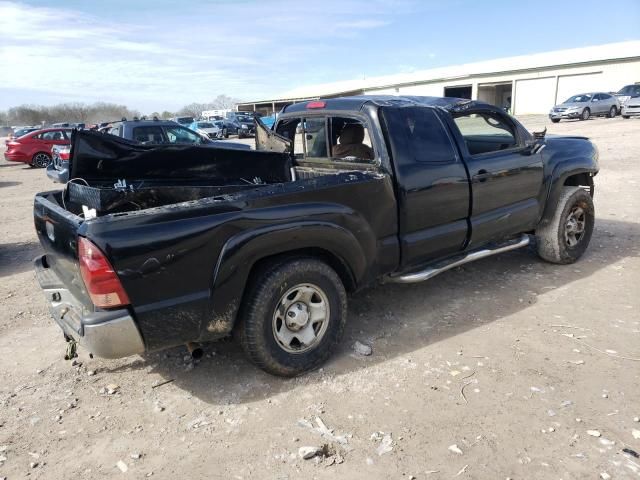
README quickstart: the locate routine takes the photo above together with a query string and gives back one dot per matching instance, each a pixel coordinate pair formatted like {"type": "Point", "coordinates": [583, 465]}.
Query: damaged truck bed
{"type": "Point", "coordinates": [149, 247]}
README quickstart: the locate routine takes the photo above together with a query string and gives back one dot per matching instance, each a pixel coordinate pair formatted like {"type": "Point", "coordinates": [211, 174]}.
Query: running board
{"type": "Point", "coordinates": [434, 270]}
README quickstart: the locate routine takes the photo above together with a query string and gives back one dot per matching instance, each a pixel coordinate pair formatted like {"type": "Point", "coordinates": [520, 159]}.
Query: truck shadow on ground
{"type": "Point", "coordinates": [17, 257]}
{"type": "Point", "coordinates": [399, 319]}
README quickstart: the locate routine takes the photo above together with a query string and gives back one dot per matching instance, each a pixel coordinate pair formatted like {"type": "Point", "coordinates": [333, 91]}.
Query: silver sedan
{"type": "Point", "coordinates": [586, 105]}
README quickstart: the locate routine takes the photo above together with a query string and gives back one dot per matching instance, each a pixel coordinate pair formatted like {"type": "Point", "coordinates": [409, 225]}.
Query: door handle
{"type": "Point", "coordinates": [482, 175]}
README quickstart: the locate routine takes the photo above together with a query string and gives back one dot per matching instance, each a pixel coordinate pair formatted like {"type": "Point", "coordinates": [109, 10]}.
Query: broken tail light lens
{"type": "Point", "coordinates": [101, 280]}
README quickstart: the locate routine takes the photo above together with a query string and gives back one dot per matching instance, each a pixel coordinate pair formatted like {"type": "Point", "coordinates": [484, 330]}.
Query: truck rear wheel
{"type": "Point", "coordinates": [293, 316]}
{"type": "Point", "coordinates": [566, 237]}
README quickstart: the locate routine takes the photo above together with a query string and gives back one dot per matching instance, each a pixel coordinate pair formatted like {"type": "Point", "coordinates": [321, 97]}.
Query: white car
{"type": "Point", "coordinates": [628, 92]}
{"type": "Point", "coordinates": [631, 107]}
{"type": "Point", "coordinates": [210, 129]}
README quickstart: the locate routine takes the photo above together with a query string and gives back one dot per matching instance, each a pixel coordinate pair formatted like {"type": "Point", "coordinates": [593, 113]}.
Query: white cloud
{"type": "Point", "coordinates": [160, 60]}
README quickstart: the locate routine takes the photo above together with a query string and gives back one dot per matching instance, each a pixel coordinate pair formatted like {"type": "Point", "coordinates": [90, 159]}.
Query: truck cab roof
{"type": "Point", "coordinates": [355, 103]}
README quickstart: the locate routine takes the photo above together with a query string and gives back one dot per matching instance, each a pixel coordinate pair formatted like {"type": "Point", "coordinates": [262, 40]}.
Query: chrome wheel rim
{"type": "Point", "coordinates": [612, 112]}
{"type": "Point", "coordinates": [301, 318]}
{"type": "Point", "coordinates": [575, 226]}
{"type": "Point", "coordinates": [41, 160]}
{"type": "Point", "coordinates": [585, 114]}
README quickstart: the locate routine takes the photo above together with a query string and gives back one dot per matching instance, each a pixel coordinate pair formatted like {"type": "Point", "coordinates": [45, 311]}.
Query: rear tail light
{"type": "Point", "coordinates": [102, 283]}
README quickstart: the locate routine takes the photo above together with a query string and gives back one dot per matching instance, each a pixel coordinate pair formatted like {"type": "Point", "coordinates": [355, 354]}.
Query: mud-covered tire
{"type": "Point", "coordinates": [258, 331]}
{"type": "Point", "coordinates": [554, 239]}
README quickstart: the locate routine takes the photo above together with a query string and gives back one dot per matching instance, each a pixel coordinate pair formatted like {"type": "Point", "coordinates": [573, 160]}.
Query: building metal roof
{"type": "Point", "coordinates": [558, 58]}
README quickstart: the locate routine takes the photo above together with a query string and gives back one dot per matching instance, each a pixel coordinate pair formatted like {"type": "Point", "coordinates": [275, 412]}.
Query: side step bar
{"type": "Point", "coordinates": [434, 270]}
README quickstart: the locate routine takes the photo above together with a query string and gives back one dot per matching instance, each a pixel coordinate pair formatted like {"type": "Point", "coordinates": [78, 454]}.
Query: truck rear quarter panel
{"type": "Point", "coordinates": [185, 266]}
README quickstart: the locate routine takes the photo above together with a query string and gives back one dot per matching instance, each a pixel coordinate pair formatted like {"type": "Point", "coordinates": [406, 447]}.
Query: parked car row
{"type": "Point", "coordinates": [145, 132]}
{"type": "Point", "coordinates": [43, 148]}
{"type": "Point", "coordinates": [586, 105]}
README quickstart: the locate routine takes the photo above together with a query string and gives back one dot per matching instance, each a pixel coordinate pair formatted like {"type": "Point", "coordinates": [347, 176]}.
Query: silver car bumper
{"type": "Point", "coordinates": [554, 115]}
{"type": "Point", "coordinates": [107, 334]}
{"type": "Point", "coordinates": [628, 111]}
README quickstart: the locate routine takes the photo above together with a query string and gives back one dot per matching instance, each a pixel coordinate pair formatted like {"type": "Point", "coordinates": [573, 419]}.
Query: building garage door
{"type": "Point", "coordinates": [535, 95]}
{"type": "Point", "coordinates": [573, 84]}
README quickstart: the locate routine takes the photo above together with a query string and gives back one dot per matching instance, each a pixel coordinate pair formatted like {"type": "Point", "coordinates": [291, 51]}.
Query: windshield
{"type": "Point", "coordinates": [579, 98]}
{"type": "Point", "coordinates": [184, 120]}
{"type": "Point", "coordinates": [630, 90]}
{"type": "Point", "coordinates": [244, 118]}
{"type": "Point", "coordinates": [205, 125]}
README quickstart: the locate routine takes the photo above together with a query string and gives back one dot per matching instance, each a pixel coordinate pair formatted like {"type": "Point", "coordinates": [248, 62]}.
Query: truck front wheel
{"type": "Point", "coordinates": [293, 316]}
{"type": "Point", "coordinates": [566, 236]}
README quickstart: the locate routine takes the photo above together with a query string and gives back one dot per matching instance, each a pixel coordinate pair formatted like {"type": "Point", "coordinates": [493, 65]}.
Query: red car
{"type": "Point", "coordinates": [35, 148]}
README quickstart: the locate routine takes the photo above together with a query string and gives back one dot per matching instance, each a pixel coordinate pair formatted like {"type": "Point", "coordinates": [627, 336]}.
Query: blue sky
{"type": "Point", "coordinates": [162, 54]}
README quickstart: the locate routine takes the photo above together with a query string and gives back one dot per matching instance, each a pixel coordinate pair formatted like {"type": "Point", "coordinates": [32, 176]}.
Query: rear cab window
{"type": "Point", "coordinates": [334, 141]}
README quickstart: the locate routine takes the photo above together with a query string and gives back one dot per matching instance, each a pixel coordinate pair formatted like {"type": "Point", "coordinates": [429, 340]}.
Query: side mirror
{"type": "Point", "coordinates": [536, 144]}
{"type": "Point", "coordinates": [532, 147]}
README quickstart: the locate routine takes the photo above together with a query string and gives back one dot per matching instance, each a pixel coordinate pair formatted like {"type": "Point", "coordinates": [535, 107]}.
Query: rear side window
{"type": "Point", "coordinates": [148, 135]}
{"type": "Point", "coordinates": [419, 134]}
{"type": "Point", "coordinates": [52, 135]}
{"type": "Point", "coordinates": [181, 135]}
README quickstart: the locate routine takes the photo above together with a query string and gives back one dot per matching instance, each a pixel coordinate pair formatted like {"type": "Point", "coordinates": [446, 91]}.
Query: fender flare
{"type": "Point", "coordinates": [558, 178]}
{"type": "Point", "coordinates": [242, 251]}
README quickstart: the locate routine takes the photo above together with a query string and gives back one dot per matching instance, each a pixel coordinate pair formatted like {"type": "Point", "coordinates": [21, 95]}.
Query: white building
{"type": "Point", "coordinates": [529, 83]}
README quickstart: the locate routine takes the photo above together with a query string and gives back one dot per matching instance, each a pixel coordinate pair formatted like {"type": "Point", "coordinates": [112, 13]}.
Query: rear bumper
{"type": "Point", "coordinates": [16, 158]}
{"type": "Point", "coordinates": [60, 175]}
{"type": "Point", "coordinates": [107, 334]}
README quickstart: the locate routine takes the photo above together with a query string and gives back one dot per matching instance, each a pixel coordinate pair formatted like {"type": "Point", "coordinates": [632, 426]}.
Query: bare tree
{"type": "Point", "coordinates": [67, 112]}
{"type": "Point", "coordinates": [193, 109]}
{"type": "Point", "coordinates": [224, 101]}
{"type": "Point", "coordinates": [220, 102]}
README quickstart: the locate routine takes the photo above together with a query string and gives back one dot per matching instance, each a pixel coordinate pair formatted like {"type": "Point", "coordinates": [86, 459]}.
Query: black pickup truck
{"type": "Point", "coordinates": [156, 246]}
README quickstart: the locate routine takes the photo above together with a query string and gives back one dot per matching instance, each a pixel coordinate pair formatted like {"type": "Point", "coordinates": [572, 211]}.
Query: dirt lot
{"type": "Point", "coordinates": [513, 361]}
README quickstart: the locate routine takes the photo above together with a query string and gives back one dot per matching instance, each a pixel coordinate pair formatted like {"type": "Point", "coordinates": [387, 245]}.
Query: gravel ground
{"type": "Point", "coordinates": [506, 368]}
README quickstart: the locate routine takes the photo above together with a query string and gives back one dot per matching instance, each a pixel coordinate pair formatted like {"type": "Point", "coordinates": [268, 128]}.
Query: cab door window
{"type": "Point", "coordinates": [486, 132]}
